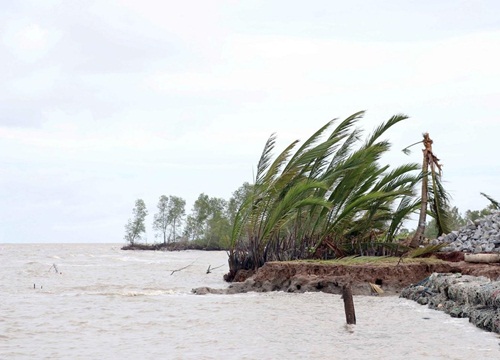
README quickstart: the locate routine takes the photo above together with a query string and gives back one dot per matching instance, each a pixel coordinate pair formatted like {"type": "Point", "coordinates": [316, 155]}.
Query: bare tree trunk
{"type": "Point", "coordinates": [174, 230]}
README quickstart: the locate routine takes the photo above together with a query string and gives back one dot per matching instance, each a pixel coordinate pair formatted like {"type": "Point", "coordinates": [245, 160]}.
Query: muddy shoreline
{"type": "Point", "coordinates": [172, 246]}
{"type": "Point", "coordinates": [299, 277]}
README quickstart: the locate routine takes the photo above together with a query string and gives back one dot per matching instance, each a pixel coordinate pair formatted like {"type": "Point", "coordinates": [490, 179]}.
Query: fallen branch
{"type": "Point", "coordinates": [182, 268]}
{"type": "Point", "coordinates": [209, 269]}
{"type": "Point", "coordinates": [55, 268]}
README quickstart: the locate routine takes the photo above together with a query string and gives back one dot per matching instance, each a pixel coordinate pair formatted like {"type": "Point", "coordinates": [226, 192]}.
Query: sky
{"type": "Point", "coordinates": [104, 102]}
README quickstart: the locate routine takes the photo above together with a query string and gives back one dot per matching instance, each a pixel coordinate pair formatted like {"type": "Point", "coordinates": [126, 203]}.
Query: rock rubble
{"type": "Point", "coordinates": [480, 236]}
{"type": "Point", "coordinates": [462, 296]}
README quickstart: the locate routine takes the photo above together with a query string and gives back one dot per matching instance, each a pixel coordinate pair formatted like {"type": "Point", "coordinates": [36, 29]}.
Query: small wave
{"type": "Point", "coordinates": [122, 292]}
{"type": "Point", "coordinates": [139, 293]}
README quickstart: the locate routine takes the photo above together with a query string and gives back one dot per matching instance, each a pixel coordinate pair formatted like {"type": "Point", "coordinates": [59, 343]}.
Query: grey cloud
{"type": "Point", "coordinates": [88, 47]}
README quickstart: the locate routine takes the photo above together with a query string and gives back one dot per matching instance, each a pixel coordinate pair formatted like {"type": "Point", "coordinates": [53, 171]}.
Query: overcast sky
{"type": "Point", "coordinates": [103, 102]}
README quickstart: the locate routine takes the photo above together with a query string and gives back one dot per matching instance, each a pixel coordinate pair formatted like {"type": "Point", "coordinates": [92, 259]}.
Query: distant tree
{"type": "Point", "coordinates": [197, 220]}
{"type": "Point", "coordinates": [208, 221]}
{"type": "Point", "coordinates": [160, 222]}
{"type": "Point", "coordinates": [473, 215]}
{"type": "Point", "coordinates": [218, 227]}
{"type": "Point", "coordinates": [135, 226]}
{"type": "Point", "coordinates": [237, 200]}
{"type": "Point", "coordinates": [171, 211]}
{"type": "Point", "coordinates": [404, 233]}
{"type": "Point", "coordinates": [456, 221]}
{"type": "Point", "coordinates": [176, 213]}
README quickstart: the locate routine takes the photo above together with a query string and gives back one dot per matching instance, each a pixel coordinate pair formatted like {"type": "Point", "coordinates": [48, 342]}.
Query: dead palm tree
{"type": "Point", "coordinates": [434, 199]}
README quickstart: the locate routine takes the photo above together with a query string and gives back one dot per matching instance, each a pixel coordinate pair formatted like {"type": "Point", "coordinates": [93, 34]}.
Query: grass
{"type": "Point", "coordinates": [370, 260]}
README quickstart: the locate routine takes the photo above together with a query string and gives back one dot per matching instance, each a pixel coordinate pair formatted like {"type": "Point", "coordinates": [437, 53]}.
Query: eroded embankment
{"type": "Point", "coordinates": [329, 277]}
{"type": "Point", "coordinates": [463, 296]}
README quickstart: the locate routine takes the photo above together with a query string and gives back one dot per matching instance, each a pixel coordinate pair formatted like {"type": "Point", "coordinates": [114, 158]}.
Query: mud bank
{"type": "Point", "coordinates": [462, 296]}
{"type": "Point", "coordinates": [327, 277]}
{"type": "Point", "coordinates": [173, 246]}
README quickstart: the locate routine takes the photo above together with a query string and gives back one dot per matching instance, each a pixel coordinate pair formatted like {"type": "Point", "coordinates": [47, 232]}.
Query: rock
{"type": "Point", "coordinates": [471, 225]}
{"type": "Point", "coordinates": [452, 236]}
{"type": "Point", "coordinates": [477, 298]}
{"type": "Point", "coordinates": [482, 235]}
{"type": "Point", "coordinates": [488, 247]}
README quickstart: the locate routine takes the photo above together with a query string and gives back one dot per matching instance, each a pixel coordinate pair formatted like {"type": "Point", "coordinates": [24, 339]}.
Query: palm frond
{"type": "Point", "coordinates": [439, 204]}
{"type": "Point", "coordinates": [421, 251]}
{"type": "Point", "coordinates": [382, 128]}
{"type": "Point", "coordinates": [265, 158]}
{"type": "Point", "coordinates": [494, 203]}
{"type": "Point", "coordinates": [308, 143]}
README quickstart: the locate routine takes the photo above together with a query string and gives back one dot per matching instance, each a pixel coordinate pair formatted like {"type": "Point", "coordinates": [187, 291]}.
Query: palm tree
{"type": "Point", "coordinates": [330, 192]}
{"type": "Point", "coordinates": [434, 199]}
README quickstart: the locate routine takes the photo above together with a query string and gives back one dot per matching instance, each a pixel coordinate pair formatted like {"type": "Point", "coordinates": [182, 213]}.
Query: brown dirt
{"type": "Point", "coordinates": [330, 277]}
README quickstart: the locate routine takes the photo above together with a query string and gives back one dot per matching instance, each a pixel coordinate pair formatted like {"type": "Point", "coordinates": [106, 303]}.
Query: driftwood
{"type": "Point", "coordinates": [55, 269]}
{"type": "Point", "coordinates": [209, 270]}
{"type": "Point", "coordinates": [182, 268]}
{"type": "Point", "coordinates": [482, 258]}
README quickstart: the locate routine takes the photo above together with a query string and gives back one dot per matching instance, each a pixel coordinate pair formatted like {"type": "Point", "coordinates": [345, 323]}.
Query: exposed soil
{"type": "Point", "coordinates": [330, 277]}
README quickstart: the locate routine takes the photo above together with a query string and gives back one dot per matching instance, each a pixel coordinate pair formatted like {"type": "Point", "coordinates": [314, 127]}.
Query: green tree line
{"type": "Point", "coordinates": [208, 225]}
{"type": "Point", "coordinates": [457, 220]}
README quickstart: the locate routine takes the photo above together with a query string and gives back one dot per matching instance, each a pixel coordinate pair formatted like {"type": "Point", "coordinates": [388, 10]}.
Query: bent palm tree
{"type": "Point", "coordinates": [331, 191]}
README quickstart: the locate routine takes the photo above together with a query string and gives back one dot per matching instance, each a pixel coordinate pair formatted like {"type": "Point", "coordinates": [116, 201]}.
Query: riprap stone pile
{"type": "Point", "coordinates": [463, 296]}
{"type": "Point", "coordinates": [482, 235]}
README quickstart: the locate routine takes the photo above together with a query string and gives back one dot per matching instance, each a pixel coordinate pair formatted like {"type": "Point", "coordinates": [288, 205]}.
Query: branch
{"type": "Point", "coordinates": [182, 268]}
{"type": "Point", "coordinates": [209, 269]}
{"type": "Point", "coordinates": [55, 268]}
{"type": "Point", "coordinates": [407, 151]}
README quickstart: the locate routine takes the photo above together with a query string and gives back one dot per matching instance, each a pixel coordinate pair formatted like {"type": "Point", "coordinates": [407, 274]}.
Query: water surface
{"type": "Point", "coordinates": [111, 304]}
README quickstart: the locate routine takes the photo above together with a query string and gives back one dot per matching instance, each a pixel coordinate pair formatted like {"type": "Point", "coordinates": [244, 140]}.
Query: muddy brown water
{"type": "Point", "coordinates": [111, 304]}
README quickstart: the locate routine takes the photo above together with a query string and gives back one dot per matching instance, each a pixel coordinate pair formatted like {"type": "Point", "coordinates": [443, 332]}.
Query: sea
{"type": "Point", "coordinates": [96, 301]}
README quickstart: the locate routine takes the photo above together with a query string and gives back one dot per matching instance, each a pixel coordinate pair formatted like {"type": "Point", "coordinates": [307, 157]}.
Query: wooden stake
{"type": "Point", "coordinates": [350, 314]}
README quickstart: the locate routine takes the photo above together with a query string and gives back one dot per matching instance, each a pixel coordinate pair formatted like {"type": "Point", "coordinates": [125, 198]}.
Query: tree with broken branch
{"type": "Point", "coordinates": [434, 198]}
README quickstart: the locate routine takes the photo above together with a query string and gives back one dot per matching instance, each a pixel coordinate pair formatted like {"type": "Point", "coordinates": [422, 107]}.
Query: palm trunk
{"type": "Point", "coordinates": [419, 233]}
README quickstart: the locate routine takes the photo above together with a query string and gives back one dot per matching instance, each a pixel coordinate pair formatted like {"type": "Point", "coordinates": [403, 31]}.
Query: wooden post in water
{"type": "Point", "coordinates": [350, 314]}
